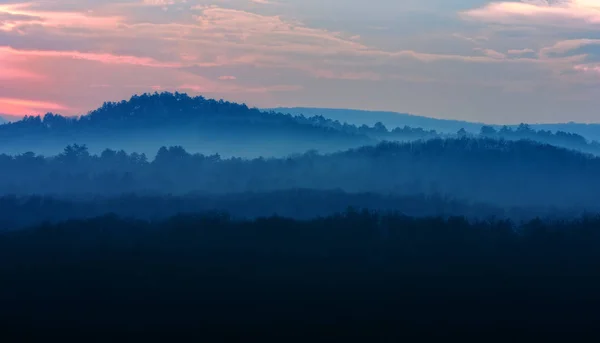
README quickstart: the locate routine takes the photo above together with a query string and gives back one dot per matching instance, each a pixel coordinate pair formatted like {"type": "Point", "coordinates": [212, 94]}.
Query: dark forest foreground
{"type": "Point", "coordinates": [358, 276]}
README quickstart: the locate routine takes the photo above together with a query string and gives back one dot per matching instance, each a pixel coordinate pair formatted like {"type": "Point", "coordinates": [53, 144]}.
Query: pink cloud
{"type": "Point", "coordinates": [588, 68]}
{"type": "Point", "coordinates": [8, 73]}
{"type": "Point", "coordinates": [199, 88]}
{"type": "Point", "coordinates": [546, 12]}
{"type": "Point", "coordinates": [96, 57]}
{"type": "Point", "coordinates": [565, 46]}
{"type": "Point", "coordinates": [491, 53]}
{"type": "Point", "coordinates": [22, 106]}
{"type": "Point", "coordinates": [56, 18]}
{"type": "Point", "coordinates": [136, 51]}
{"type": "Point", "coordinates": [271, 31]}
{"type": "Point", "coordinates": [520, 51]}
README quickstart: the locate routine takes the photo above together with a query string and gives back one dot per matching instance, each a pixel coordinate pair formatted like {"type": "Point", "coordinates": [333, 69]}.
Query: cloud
{"type": "Point", "coordinates": [565, 46]}
{"type": "Point", "coordinates": [20, 106]}
{"type": "Point", "coordinates": [11, 74]}
{"type": "Point", "coordinates": [162, 2]}
{"type": "Point", "coordinates": [219, 37]}
{"type": "Point", "coordinates": [271, 31]}
{"type": "Point", "coordinates": [199, 88]}
{"type": "Point", "coordinates": [491, 53]}
{"type": "Point", "coordinates": [365, 75]}
{"type": "Point", "coordinates": [27, 14]}
{"type": "Point", "coordinates": [95, 57]}
{"type": "Point", "coordinates": [81, 53]}
{"type": "Point", "coordinates": [574, 13]}
{"type": "Point", "coordinates": [520, 51]}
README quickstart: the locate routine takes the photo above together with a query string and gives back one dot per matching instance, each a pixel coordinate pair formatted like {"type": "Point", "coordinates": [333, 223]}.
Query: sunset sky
{"type": "Point", "coordinates": [481, 60]}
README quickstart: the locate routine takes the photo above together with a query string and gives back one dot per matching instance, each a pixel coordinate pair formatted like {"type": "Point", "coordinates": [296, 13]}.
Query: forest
{"type": "Point", "coordinates": [168, 217]}
{"type": "Point", "coordinates": [354, 275]}
{"type": "Point", "coordinates": [146, 122]}
{"type": "Point", "coordinates": [19, 212]}
{"type": "Point", "coordinates": [482, 170]}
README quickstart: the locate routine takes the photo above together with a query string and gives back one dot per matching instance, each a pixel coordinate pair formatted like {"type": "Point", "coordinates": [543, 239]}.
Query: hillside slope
{"type": "Point", "coordinates": [496, 172]}
{"type": "Point", "coordinates": [146, 122]}
{"type": "Point", "coordinates": [389, 119]}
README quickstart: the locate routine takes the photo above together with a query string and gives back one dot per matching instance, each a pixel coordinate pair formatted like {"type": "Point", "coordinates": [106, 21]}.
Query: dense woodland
{"type": "Point", "coordinates": [590, 131]}
{"type": "Point", "coordinates": [167, 216]}
{"type": "Point", "coordinates": [17, 212]}
{"type": "Point", "coordinates": [146, 122]}
{"type": "Point", "coordinates": [356, 275]}
{"type": "Point", "coordinates": [497, 172]}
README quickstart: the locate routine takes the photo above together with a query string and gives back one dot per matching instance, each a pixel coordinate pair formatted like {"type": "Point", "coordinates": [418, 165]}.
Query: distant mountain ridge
{"type": "Point", "coordinates": [395, 119]}
{"type": "Point", "coordinates": [389, 119]}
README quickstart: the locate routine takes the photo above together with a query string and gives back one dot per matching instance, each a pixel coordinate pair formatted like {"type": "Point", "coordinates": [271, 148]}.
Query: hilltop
{"type": "Point", "coordinates": [146, 122]}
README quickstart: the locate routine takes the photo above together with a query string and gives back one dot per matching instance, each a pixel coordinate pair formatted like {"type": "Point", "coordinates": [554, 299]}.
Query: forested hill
{"type": "Point", "coordinates": [146, 122]}
{"type": "Point", "coordinates": [590, 131]}
{"type": "Point", "coordinates": [497, 172]}
{"type": "Point", "coordinates": [406, 127]}
{"type": "Point", "coordinates": [389, 119]}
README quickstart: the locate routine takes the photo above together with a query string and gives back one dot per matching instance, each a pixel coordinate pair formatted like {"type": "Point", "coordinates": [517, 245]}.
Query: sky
{"type": "Point", "coordinates": [480, 60]}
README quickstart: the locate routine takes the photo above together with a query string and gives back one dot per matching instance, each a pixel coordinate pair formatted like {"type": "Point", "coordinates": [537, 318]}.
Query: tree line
{"type": "Point", "coordinates": [355, 274]}
{"type": "Point", "coordinates": [480, 170]}
{"type": "Point", "coordinates": [18, 212]}
{"type": "Point", "coordinates": [193, 121]}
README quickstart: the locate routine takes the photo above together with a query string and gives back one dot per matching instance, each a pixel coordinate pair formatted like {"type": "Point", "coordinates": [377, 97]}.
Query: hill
{"type": "Point", "coordinates": [589, 131]}
{"type": "Point", "coordinates": [146, 122]}
{"type": "Point", "coordinates": [483, 170]}
{"type": "Point", "coordinates": [389, 119]}
{"type": "Point", "coordinates": [389, 126]}
{"type": "Point", "coordinates": [25, 211]}
{"type": "Point", "coordinates": [394, 119]}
